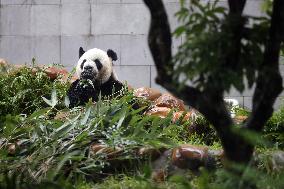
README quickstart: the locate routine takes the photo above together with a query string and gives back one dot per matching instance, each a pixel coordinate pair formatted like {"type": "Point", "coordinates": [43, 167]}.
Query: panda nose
{"type": "Point", "coordinates": [88, 68]}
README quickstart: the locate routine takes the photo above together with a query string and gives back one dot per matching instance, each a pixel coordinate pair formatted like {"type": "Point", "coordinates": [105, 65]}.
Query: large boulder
{"type": "Point", "coordinates": [55, 72]}
{"type": "Point", "coordinates": [192, 157]}
{"type": "Point", "coordinates": [169, 101]}
{"type": "Point", "coordinates": [59, 73]}
{"type": "Point", "coordinates": [185, 116]}
{"type": "Point", "coordinates": [185, 157]}
{"type": "Point", "coordinates": [162, 112]}
{"type": "Point", "coordinates": [147, 93]}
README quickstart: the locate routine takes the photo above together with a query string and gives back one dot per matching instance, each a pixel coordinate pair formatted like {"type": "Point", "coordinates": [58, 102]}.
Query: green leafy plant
{"type": "Point", "coordinates": [48, 148]}
{"type": "Point", "coordinates": [206, 41]}
{"type": "Point", "coordinates": [22, 89]}
{"type": "Point", "coordinates": [274, 129]}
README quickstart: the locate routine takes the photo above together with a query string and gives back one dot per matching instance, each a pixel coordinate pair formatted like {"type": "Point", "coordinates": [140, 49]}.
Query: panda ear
{"type": "Point", "coordinates": [81, 52]}
{"type": "Point", "coordinates": [112, 54]}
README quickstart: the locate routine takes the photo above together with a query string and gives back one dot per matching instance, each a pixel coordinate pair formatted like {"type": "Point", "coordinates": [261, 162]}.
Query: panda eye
{"type": "Point", "coordinates": [98, 64]}
{"type": "Point", "coordinates": [82, 65]}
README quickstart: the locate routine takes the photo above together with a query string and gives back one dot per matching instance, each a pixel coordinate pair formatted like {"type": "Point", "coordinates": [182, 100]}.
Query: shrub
{"type": "Point", "coordinates": [274, 129]}
{"type": "Point", "coordinates": [21, 90]}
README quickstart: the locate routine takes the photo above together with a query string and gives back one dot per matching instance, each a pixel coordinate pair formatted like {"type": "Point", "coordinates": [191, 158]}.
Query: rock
{"type": "Point", "coordinates": [160, 166]}
{"type": "Point", "coordinates": [162, 112]}
{"type": "Point", "coordinates": [276, 161]}
{"type": "Point", "coordinates": [169, 101]}
{"type": "Point", "coordinates": [219, 155]}
{"type": "Point", "coordinates": [109, 152]}
{"type": "Point", "coordinates": [238, 119]}
{"type": "Point", "coordinates": [3, 65]}
{"type": "Point", "coordinates": [3, 62]}
{"type": "Point", "coordinates": [151, 152]}
{"type": "Point", "coordinates": [11, 149]}
{"type": "Point", "coordinates": [147, 93]}
{"type": "Point", "coordinates": [187, 116]}
{"type": "Point", "coordinates": [54, 73]}
{"type": "Point", "coordinates": [184, 158]}
{"type": "Point", "coordinates": [96, 147]}
{"type": "Point", "coordinates": [192, 157]}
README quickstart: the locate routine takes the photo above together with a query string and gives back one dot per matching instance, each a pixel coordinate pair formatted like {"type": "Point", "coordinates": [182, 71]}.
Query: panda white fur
{"type": "Point", "coordinates": [96, 76]}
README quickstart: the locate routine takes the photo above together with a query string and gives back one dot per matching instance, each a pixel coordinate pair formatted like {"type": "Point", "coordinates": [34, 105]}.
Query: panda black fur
{"type": "Point", "coordinates": [96, 76]}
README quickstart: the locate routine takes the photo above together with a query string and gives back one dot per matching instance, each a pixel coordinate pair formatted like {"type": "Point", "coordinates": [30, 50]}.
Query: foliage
{"type": "Point", "coordinates": [251, 177]}
{"type": "Point", "coordinates": [203, 57]}
{"type": "Point", "coordinates": [22, 89]}
{"type": "Point", "coordinates": [40, 150]}
{"type": "Point", "coordinates": [49, 148]}
{"type": "Point", "coordinates": [274, 129]}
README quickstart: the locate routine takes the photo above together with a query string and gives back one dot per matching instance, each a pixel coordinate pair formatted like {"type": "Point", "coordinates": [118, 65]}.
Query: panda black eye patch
{"type": "Point", "coordinates": [82, 65]}
{"type": "Point", "coordinates": [98, 64]}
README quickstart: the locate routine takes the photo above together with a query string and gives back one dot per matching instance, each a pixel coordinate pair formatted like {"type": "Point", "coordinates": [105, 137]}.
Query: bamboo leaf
{"type": "Point", "coordinates": [38, 113]}
{"type": "Point", "coordinates": [49, 102]}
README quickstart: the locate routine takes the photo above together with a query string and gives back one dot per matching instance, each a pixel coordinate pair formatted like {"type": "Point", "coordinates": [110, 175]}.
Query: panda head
{"type": "Point", "coordinates": [96, 65]}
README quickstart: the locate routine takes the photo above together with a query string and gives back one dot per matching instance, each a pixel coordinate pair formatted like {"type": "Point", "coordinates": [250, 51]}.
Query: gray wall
{"type": "Point", "coordinates": [53, 30]}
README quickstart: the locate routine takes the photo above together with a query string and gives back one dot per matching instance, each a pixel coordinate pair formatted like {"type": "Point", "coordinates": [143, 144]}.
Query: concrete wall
{"type": "Point", "coordinates": [53, 30]}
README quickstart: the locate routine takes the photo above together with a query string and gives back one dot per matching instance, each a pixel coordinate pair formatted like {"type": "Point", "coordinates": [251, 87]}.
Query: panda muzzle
{"type": "Point", "coordinates": [88, 73]}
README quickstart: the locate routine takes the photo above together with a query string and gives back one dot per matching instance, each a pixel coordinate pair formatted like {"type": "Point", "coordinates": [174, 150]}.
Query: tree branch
{"type": "Point", "coordinates": [235, 26]}
{"type": "Point", "coordinates": [269, 81]}
{"type": "Point", "coordinates": [160, 40]}
{"type": "Point", "coordinates": [236, 6]}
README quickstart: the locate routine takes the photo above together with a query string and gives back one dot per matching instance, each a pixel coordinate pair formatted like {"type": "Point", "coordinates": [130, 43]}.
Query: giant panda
{"type": "Point", "coordinates": [96, 77]}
